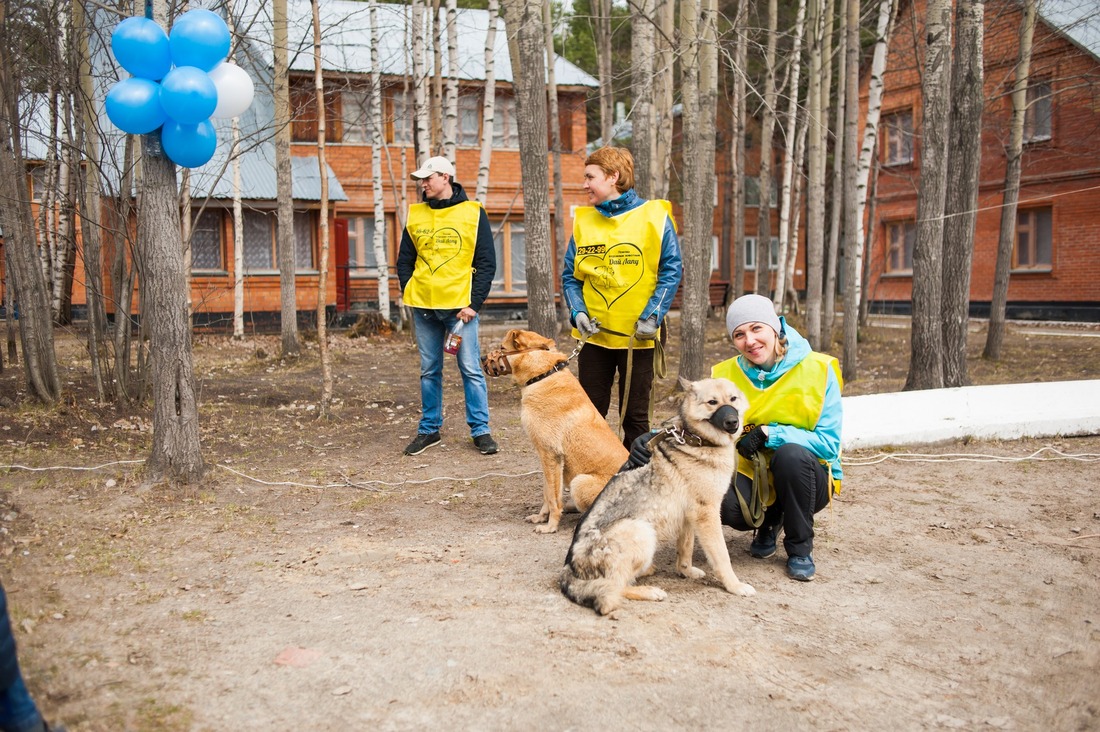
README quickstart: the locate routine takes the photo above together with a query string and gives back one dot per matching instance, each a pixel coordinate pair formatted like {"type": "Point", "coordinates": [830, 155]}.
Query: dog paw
{"type": "Point", "coordinates": [546, 529]}
{"type": "Point", "coordinates": [743, 589]}
{"type": "Point", "coordinates": [692, 573]}
{"type": "Point", "coordinates": [537, 518]}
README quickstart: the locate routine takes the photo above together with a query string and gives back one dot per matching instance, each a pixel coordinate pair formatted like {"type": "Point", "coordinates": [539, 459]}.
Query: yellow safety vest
{"type": "Point", "coordinates": [616, 260]}
{"type": "Point", "coordinates": [796, 398]}
{"type": "Point", "coordinates": [444, 239]}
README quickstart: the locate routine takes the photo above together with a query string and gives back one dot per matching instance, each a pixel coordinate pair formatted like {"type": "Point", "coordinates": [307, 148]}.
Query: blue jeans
{"type": "Point", "coordinates": [18, 712]}
{"type": "Point", "coordinates": [432, 327]}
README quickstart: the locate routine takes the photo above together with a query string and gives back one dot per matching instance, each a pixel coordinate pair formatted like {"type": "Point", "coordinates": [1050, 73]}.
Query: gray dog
{"type": "Point", "coordinates": [677, 495]}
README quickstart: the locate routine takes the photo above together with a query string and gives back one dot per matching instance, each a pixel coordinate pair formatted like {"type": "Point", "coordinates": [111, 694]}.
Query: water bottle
{"type": "Point", "coordinates": [454, 339]}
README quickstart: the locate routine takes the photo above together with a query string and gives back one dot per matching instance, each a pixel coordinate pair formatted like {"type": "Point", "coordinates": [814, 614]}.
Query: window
{"type": "Point", "coordinates": [403, 119]}
{"type": "Point", "coordinates": [356, 113]}
{"type": "Point", "coordinates": [897, 138]}
{"type": "Point", "coordinates": [361, 259]}
{"type": "Point", "coordinates": [259, 241]}
{"type": "Point", "coordinates": [900, 238]}
{"type": "Point", "coordinates": [206, 241]}
{"type": "Point", "coordinates": [510, 242]}
{"type": "Point", "coordinates": [38, 181]}
{"type": "Point", "coordinates": [752, 192]}
{"type": "Point", "coordinates": [303, 111]}
{"type": "Point", "coordinates": [750, 253]}
{"type": "Point", "coordinates": [505, 124]}
{"type": "Point", "coordinates": [469, 120]}
{"type": "Point", "coordinates": [1033, 239]}
{"type": "Point", "coordinates": [1037, 118]}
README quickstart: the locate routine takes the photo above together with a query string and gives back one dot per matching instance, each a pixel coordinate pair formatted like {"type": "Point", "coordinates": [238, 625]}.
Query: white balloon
{"type": "Point", "coordinates": [235, 90]}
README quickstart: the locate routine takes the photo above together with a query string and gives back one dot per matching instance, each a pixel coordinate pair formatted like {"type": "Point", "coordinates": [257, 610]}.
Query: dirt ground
{"type": "Point", "coordinates": [318, 580]}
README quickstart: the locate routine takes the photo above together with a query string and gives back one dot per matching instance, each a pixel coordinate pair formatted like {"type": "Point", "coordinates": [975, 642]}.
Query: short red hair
{"type": "Point", "coordinates": [614, 160]}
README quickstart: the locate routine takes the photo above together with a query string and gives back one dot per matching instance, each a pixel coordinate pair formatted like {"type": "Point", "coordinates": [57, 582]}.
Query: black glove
{"type": "Point", "coordinates": [639, 453]}
{"type": "Point", "coordinates": [751, 443]}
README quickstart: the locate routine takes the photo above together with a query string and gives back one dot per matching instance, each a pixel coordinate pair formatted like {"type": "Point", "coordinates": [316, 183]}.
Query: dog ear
{"type": "Point", "coordinates": [687, 385]}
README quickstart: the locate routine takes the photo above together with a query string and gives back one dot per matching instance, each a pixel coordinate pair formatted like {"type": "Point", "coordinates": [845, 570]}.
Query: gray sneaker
{"type": "Point", "coordinates": [422, 443]}
{"type": "Point", "coordinates": [486, 444]}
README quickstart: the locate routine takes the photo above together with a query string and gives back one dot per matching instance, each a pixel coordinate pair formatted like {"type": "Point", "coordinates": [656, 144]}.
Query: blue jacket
{"type": "Point", "coordinates": [824, 440]}
{"type": "Point", "coordinates": [669, 269]}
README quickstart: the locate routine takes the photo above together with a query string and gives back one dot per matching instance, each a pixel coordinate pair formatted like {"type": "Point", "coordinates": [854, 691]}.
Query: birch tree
{"type": "Point", "coordinates": [926, 357]}
{"type": "Point", "coordinates": [836, 209]}
{"type": "Point", "coordinates": [737, 167]}
{"type": "Point", "coordinates": [527, 49]}
{"type": "Point", "coordinates": [817, 95]}
{"type": "Point", "coordinates": [450, 116]}
{"type": "Point", "coordinates": [851, 208]}
{"type": "Point", "coordinates": [604, 71]}
{"type": "Point", "coordinates": [488, 104]}
{"type": "Point", "coordinates": [663, 95]}
{"type": "Point", "coordinates": [964, 152]}
{"type": "Point", "coordinates": [422, 135]}
{"type": "Point", "coordinates": [284, 244]}
{"type": "Point", "coordinates": [641, 82]}
{"type": "Point", "coordinates": [767, 128]}
{"type": "Point", "coordinates": [699, 73]}
{"type": "Point", "coordinates": [1013, 162]}
{"type": "Point", "coordinates": [790, 158]}
{"type": "Point", "coordinates": [24, 269]}
{"type": "Point", "coordinates": [322, 276]}
{"type": "Point", "coordinates": [377, 140]}
{"type": "Point", "coordinates": [560, 242]}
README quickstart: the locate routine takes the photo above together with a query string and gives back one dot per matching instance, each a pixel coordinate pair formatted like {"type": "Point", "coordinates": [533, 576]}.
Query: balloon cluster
{"type": "Point", "coordinates": [180, 80]}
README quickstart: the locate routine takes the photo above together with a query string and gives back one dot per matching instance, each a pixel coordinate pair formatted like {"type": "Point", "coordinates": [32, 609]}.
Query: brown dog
{"type": "Point", "coordinates": [575, 444]}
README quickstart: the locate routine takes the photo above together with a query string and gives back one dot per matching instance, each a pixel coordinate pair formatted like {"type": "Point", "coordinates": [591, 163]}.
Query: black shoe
{"type": "Point", "coordinates": [422, 443]}
{"type": "Point", "coordinates": [763, 543]}
{"type": "Point", "coordinates": [486, 444]}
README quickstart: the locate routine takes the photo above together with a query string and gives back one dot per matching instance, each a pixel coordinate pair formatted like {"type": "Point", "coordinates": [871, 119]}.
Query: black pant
{"type": "Point", "coordinates": [801, 489]}
{"type": "Point", "coordinates": [596, 368]}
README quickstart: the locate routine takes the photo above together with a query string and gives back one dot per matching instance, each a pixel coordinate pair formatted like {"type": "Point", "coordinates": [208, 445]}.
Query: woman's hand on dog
{"type": "Point", "coordinates": [639, 453]}
{"type": "Point", "coordinates": [751, 443]}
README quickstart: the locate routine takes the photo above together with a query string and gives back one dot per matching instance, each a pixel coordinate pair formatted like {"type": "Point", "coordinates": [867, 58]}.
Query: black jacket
{"type": "Point", "coordinates": [485, 257]}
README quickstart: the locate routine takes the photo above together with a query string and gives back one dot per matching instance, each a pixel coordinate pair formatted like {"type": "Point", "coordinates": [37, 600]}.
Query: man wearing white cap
{"type": "Point", "coordinates": [446, 265]}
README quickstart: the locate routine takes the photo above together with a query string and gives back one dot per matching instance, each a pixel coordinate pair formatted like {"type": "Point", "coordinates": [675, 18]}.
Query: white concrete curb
{"type": "Point", "coordinates": [1005, 411]}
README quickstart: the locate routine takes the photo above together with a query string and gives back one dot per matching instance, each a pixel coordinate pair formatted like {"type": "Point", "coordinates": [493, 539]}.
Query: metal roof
{"type": "Point", "coordinates": [1078, 20]}
{"type": "Point", "coordinates": [346, 40]}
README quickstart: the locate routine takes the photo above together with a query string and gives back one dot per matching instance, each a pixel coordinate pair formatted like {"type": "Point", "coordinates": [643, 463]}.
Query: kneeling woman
{"type": "Point", "coordinates": [794, 418]}
{"type": "Point", "coordinates": [791, 429]}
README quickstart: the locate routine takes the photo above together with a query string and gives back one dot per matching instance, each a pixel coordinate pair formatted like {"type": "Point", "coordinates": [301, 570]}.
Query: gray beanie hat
{"type": "Point", "coordinates": [752, 309]}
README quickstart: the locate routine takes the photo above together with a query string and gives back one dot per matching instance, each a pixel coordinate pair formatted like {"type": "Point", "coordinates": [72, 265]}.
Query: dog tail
{"type": "Point", "coordinates": [585, 592]}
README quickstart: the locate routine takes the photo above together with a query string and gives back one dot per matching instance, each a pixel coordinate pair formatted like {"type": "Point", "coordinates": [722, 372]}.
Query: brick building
{"type": "Point", "coordinates": [1056, 262]}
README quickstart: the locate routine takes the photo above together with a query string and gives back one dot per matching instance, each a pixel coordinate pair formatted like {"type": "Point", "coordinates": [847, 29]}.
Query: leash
{"type": "Point", "coordinates": [763, 492]}
{"type": "Point", "coordinates": [659, 371]}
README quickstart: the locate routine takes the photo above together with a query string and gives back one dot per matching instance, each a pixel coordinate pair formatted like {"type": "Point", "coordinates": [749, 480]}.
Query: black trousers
{"type": "Point", "coordinates": [596, 369]}
{"type": "Point", "coordinates": [801, 489]}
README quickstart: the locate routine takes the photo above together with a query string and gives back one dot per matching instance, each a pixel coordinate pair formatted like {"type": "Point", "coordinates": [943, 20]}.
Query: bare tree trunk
{"type": "Point", "coordinates": [436, 96]}
{"type": "Point", "coordinates": [767, 128]}
{"type": "Point", "coordinates": [377, 140]}
{"type": "Point", "coordinates": [641, 82]}
{"type": "Point", "coordinates": [926, 359]}
{"type": "Point", "coordinates": [602, 9]}
{"type": "Point", "coordinates": [1013, 160]}
{"type": "Point", "coordinates": [964, 151]}
{"type": "Point", "coordinates": [851, 207]}
{"type": "Point", "coordinates": [288, 295]}
{"type": "Point", "coordinates": [422, 140]}
{"type": "Point", "coordinates": [450, 119]}
{"type": "Point", "coordinates": [699, 69]}
{"type": "Point", "coordinates": [740, 114]}
{"type": "Point", "coordinates": [869, 242]}
{"type": "Point", "coordinates": [820, 27]}
{"type": "Point", "coordinates": [322, 275]}
{"type": "Point", "coordinates": [555, 143]}
{"type": "Point", "coordinates": [238, 236]}
{"type": "Point", "coordinates": [122, 282]}
{"type": "Point", "coordinates": [796, 209]}
{"type": "Point", "coordinates": [9, 309]}
{"type": "Point", "coordinates": [488, 107]}
{"type": "Point", "coordinates": [663, 82]}
{"type": "Point", "coordinates": [528, 54]}
{"type": "Point", "coordinates": [25, 273]}
{"type": "Point", "coordinates": [786, 205]}
{"type": "Point", "coordinates": [836, 210]}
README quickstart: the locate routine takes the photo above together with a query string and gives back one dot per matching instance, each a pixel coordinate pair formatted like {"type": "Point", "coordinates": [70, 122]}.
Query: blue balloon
{"type": "Point", "coordinates": [199, 38]}
{"type": "Point", "coordinates": [188, 95]}
{"type": "Point", "coordinates": [133, 106]}
{"type": "Point", "coordinates": [189, 145]}
{"type": "Point", "coordinates": [141, 47]}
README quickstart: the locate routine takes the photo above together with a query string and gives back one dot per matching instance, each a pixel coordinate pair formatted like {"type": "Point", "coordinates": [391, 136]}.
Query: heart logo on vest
{"type": "Point", "coordinates": [616, 272]}
{"type": "Point", "coordinates": [438, 248]}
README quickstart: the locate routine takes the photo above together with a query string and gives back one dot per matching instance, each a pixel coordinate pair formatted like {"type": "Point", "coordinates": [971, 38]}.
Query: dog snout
{"type": "Point", "coordinates": [726, 418]}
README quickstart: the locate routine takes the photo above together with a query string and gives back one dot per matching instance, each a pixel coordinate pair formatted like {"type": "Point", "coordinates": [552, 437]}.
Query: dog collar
{"type": "Point", "coordinates": [559, 366]}
{"type": "Point", "coordinates": [682, 436]}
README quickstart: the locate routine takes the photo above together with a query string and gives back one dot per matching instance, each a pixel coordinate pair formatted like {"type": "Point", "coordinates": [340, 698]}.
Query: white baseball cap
{"type": "Point", "coordinates": [438, 164]}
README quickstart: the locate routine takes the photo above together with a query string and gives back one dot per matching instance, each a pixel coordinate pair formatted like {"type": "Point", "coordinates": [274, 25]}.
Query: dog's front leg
{"type": "Point", "coordinates": [553, 467]}
{"type": "Point", "coordinates": [685, 548]}
{"type": "Point", "coordinates": [709, 528]}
